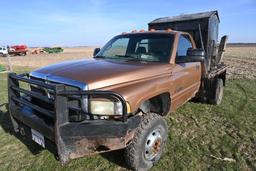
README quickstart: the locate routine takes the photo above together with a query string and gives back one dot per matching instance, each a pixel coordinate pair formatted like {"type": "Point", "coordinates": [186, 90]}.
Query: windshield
{"type": "Point", "coordinates": [139, 47]}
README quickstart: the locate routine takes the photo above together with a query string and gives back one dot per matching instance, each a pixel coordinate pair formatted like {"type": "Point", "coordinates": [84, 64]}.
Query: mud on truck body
{"type": "Point", "coordinates": [119, 98]}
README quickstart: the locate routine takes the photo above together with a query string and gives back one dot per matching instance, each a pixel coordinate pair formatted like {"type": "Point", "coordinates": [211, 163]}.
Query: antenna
{"type": "Point", "coordinates": [201, 38]}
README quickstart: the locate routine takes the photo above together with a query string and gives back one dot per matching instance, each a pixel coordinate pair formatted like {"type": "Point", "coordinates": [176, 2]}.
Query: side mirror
{"type": "Point", "coordinates": [195, 52]}
{"type": "Point", "coordinates": [193, 55]}
{"type": "Point", "coordinates": [96, 51]}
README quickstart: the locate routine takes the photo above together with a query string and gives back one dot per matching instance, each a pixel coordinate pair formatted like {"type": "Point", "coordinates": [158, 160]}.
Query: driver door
{"type": "Point", "coordinates": [186, 77]}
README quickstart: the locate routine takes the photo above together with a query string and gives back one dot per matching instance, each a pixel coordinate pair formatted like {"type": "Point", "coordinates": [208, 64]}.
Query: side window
{"type": "Point", "coordinates": [183, 45]}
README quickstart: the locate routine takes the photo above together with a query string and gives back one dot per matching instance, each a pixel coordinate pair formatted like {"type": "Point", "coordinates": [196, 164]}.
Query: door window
{"type": "Point", "coordinates": [183, 45]}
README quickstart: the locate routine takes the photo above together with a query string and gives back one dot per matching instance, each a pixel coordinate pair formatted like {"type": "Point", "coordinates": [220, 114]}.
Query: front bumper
{"type": "Point", "coordinates": [71, 139]}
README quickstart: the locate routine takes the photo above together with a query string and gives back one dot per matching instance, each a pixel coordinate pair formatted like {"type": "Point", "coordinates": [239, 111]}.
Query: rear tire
{"type": "Point", "coordinates": [217, 92]}
{"type": "Point", "coordinates": [148, 143]}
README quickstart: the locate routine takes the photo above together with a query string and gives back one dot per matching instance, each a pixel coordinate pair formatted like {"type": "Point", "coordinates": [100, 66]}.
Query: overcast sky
{"type": "Point", "coordinates": [93, 22]}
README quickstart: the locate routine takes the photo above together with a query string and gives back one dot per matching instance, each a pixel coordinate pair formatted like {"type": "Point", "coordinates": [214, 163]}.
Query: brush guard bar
{"type": "Point", "coordinates": [72, 139]}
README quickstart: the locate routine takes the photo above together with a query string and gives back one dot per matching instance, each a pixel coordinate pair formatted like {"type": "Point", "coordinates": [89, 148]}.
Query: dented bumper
{"type": "Point", "coordinates": [71, 139]}
{"type": "Point", "coordinates": [77, 140]}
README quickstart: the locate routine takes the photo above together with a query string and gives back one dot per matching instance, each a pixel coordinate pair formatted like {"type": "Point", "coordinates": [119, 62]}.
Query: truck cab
{"type": "Point", "coordinates": [165, 52]}
{"type": "Point", "coordinates": [3, 51]}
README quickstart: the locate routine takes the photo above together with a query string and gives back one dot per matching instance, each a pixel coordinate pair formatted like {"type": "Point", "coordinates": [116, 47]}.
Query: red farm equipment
{"type": "Point", "coordinates": [20, 50]}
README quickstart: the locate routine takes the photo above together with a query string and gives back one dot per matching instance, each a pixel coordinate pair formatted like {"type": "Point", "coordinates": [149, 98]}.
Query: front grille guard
{"type": "Point", "coordinates": [69, 137]}
{"type": "Point", "coordinates": [61, 97]}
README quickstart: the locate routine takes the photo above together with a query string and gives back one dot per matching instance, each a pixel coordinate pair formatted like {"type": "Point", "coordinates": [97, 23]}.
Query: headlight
{"type": "Point", "coordinates": [107, 107]}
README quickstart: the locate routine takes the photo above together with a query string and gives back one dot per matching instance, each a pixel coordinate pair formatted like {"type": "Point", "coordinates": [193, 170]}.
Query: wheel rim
{"type": "Point", "coordinates": [153, 144]}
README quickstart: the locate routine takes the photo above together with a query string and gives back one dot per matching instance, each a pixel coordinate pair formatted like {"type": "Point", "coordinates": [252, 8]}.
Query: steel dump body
{"type": "Point", "coordinates": [207, 22]}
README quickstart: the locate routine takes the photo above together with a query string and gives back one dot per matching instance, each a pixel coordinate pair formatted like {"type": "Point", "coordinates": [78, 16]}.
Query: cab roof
{"type": "Point", "coordinates": [152, 31]}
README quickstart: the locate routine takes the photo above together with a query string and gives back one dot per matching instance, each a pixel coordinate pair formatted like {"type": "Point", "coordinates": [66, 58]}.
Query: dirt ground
{"type": "Point", "coordinates": [201, 137]}
{"type": "Point", "coordinates": [40, 60]}
{"type": "Point", "coordinates": [241, 60]}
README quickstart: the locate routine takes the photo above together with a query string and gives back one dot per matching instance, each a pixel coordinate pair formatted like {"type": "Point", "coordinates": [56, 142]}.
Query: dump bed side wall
{"type": "Point", "coordinates": [191, 27]}
{"type": "Point", "coordinates": [209, 29]}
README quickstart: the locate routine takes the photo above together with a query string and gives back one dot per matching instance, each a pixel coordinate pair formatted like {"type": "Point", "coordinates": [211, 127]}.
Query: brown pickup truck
{"type": "Point", "coordinates": [119, 98]}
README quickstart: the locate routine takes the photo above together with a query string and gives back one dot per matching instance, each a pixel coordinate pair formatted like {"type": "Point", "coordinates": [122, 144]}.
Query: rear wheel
{"type": "Point", "coordinates": [217, 92]}
{"type": "Point", "coordinates": [148, 143]}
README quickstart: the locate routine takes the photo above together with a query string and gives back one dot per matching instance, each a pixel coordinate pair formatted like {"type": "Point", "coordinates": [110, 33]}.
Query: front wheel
{"type": "Point", "coordinates": [148, 143]}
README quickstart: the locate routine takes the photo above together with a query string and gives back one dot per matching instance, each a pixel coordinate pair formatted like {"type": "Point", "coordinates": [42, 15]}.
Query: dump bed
{"type": "Point", "coordinates": [207, 21]}
{"type": "Point", "coordinates": [202, 26]}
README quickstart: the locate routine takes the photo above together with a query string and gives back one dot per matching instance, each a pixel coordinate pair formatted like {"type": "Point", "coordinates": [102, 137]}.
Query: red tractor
{"type": "Point", "coordinates": [20, 50]}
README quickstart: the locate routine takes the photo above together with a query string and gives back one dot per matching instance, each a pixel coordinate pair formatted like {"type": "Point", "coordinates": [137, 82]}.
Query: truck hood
{"type": "Point", "coordinates": [98, 73]}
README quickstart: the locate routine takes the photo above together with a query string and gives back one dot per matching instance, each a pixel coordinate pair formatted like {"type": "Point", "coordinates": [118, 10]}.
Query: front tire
{"type": "Point", "coordinates": [148, 143]}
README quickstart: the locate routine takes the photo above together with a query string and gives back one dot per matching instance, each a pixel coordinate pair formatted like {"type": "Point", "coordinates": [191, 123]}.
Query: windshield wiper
{"type": "Point", "coordinates": [142, 60]}
{"type": "Point", "coordinates": [114, 57]}
{"type": "Point", "coordinates": [125, 56]}
{"type": "Point", "coordinates": [99, 57]}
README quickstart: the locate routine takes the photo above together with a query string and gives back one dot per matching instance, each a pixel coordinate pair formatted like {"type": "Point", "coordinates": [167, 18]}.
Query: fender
{"type": "Point", "coordinates": [135, 93]}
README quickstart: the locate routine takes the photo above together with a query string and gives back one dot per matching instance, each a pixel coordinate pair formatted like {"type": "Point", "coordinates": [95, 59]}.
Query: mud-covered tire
{"type": "Point", "coordinates": [148, 143]}
{"type": "Point", "coordinates": [217, 92]}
